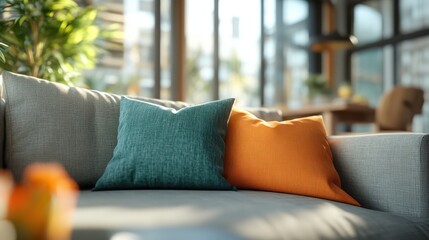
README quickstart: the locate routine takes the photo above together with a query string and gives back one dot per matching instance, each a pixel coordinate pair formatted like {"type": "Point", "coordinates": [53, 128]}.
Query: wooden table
{"type": "Point", "coordinates": [333, 113]}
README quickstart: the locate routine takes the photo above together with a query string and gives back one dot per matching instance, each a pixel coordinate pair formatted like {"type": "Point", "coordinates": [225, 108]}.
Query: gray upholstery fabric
{"type": "Point", "coordinates": [161, 214]}
{"type": "Point", "coordinates": [46, 121]}
{"type": "Point", "coordinates": [387, 172]}
{"type": "Point", "coordinates": [268, 114]}
{"type": "Point", "coordinates": [167, 103]}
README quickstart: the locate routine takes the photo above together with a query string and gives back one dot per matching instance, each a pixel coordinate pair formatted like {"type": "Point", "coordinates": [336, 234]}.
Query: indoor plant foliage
{"type": "Point", "coordinates": [317, 86]}
{"type": "Point", "coordinates": [50, 39]}
{"type": "Point", "coordinates": [3, 49]}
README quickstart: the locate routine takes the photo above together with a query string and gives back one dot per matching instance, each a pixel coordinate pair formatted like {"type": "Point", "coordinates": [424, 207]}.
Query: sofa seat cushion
{"type": "Point", "coordinates": [186, 214]}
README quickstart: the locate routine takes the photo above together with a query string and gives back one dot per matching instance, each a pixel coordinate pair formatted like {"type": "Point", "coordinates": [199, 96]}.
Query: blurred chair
{"type": "Point", "coordinates": [397, 108]}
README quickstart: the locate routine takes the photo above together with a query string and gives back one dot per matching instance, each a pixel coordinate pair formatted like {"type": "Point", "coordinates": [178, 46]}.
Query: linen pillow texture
{"type": "Point", "coordinates": [159, 147]}
{"type": "Point", "coordinates": [288, 156]}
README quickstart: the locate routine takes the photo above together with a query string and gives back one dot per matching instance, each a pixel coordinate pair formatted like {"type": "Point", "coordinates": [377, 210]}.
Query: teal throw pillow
{"type": "Point", "coordinates": [163, 148]}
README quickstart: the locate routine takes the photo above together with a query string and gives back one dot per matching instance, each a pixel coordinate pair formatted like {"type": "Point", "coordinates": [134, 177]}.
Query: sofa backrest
{"type": "Point", "coordinates": [46, 121]}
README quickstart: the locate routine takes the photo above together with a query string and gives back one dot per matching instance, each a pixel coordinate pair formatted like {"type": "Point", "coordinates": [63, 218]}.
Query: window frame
{"type": "Point", "coordinates": [178, 49]}
{"type": "Point", "coordinates": [393, 41]}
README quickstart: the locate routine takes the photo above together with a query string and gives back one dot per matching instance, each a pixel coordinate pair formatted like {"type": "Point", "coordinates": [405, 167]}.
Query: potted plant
{"type": "Point", "coordinates": [318, 88]}
{"type": "Point", "coordinates": [50, 39]}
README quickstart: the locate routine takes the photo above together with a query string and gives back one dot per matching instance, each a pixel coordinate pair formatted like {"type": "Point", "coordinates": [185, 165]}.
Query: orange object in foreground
{"type": "Point", "coordinates": [42, 206]}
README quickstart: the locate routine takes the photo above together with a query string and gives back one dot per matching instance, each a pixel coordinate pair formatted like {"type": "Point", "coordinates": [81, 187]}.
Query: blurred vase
{"type": "Point", "coordinates": [42, 206]}
{"type": "Point", "coordinates": [345, 92]}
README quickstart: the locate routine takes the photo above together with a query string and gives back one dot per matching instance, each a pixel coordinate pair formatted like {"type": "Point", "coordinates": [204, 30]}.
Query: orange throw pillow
{"type": "Point", "coordinates": [289, 157]}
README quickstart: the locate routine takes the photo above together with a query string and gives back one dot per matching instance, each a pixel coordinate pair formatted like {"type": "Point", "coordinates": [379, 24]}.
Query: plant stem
{"type": "Point", "coordinates": [35, 52]}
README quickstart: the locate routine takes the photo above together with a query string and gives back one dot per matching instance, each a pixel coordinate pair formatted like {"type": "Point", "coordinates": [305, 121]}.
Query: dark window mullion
{"type": "Point", "coordinates": [177, 49]}
{"type": "Point", "coordinates": [314, 25]}
{"type": "Point", "coordinates": [349, 30]}
{"type": "Point", "coordinates": [396, 32]}
{"type": "Point", "coordinates": [393, 40]}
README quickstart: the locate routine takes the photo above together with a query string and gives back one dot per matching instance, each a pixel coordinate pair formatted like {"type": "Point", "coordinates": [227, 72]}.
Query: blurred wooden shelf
{"type": "Point", "coordinates": [333, 113]}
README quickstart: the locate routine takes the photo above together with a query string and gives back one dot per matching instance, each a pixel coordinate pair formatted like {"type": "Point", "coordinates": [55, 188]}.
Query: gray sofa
{"type": "Point", "coordinates": [42, 121]}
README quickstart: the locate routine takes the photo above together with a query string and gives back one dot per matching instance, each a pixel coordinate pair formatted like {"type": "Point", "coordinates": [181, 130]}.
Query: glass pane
{"type": "Point", "coordinates": [296, 35]}
{"type": "Point", "coordinates": [239, 32]}
{"type": "Point", "coordinates": [138, 43]}
{"type": "Point", "coordinates": [367, 74]}
{"type": "Point", "coordinates": [107, 75]}
{"type": "Point", "coordinates": [368, 78]}
{"type": "Point", "coordinates": [414, 15]}
{"type": "Point", "coordinates": [130, 70]}
{"type": "Point", "coordinates": [165, 49]}
{"type": "Point", "coordinates": [199, 40]}
{"type": "Point", "coordinates": [413, 71]}
{"type": "Point", "coordinates": [295, 72]}
{"type": "Point", "coordinates": [294, 11]}
{"type": "Point", "coordinates": [286, 69]}
{"type": "Point", "coordinates": [270, 52]}
{"type": "Point", "coordinates": [373, 20]}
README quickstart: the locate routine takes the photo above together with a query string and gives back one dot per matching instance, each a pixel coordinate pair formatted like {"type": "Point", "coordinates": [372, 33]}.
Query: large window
{"type": "Point", "coordinates": [388, 55]}
{"type": "Point", "coordinates": [286, 51]}
{"type": "Point", "coordinates": [255, 51]}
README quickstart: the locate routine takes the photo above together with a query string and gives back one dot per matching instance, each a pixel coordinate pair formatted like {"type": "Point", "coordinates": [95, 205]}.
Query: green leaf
{"type": "Point", "coordinates": [3, 46]}
{"type": "Point", "coordinates": [2, 58]}
{"type": "Point", "coordinates": [67, 39]}
{"type": "Point", "coordinates": [22, 19]}
{"type": "Point", "coordinates": [65, 4]}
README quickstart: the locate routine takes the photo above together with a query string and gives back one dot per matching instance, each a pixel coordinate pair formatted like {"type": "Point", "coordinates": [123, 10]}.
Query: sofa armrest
{"type": "Point", "coordinates": [387, 172]}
